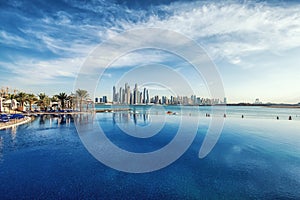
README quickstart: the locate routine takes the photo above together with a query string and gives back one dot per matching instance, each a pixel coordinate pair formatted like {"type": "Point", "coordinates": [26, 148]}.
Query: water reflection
{"type": "Point", "coordinates": [1, 148]}
{"type": "Point", "coordinates": [141, 125]}
{"type": "Point", "coordinates": [259, 155]}
{"type": "Point", "coordinates": [42, 119]}
{"type": "Point", "coordinates": [139, 119]}
{"type": "Point", "coordinates": [13, 133]}
{"type": "Point", "coordinates": [61, 119]}
{"type": "Point", "coordinates": [85, 118]}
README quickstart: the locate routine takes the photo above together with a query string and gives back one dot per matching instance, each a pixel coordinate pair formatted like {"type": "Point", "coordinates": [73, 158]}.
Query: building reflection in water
{"type": "Point", "coordinates": [141, 125]}
{"type": "Point", "coordinates": [63, 120]}
{"type": "Point", "coordinates": [56, 119]}
{"type": "Point", "coordinates": [139, 119]}
{"type": "Point", "coordinates": [85, 118]}
{"type": "Point", "coordinates": [42, 119]}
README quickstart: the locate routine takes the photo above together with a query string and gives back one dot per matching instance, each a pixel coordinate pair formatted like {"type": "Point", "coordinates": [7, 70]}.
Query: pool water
{"type": "Point", "coordinates": [253, 159]}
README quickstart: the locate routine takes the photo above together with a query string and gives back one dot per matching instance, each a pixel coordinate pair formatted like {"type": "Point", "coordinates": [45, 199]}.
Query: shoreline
{"type": "Point", "coordinates": [282, 106]}
{"type": "Point", "coordinates": [18, 122]}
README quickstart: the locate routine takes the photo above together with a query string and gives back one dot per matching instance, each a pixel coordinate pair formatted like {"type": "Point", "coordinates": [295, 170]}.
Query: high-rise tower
{"type": "Point", "coordinates": [144, 95]}
{"type": "Point", "coordinates": [114, 95]}
{"type": "Point", "coordinates": [135, 94]}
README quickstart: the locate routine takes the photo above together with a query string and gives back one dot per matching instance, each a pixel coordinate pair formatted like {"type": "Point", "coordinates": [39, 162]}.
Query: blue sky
{"type": "Point", "coordinates": [255, 45]}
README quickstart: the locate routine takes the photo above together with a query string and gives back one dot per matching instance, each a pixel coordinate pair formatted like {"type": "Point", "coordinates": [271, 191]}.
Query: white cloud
{"type": "Point", "coordinates": [232, 30]}
{"type": "Point", "coordinates": [109, 75]}
{"type": "Point", "coordinates": [12, 39]}
{"type": "Point", "coordinates": [42, 72]}
{"type": "Point", "coordinates": [141, 58]}
{"type": "Point", "coordinates": [62, 18]}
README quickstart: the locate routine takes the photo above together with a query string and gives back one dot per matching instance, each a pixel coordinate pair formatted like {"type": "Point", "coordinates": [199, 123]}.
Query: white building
{"type": "Point", "coordinates": [1, 104]}
{"type": "Point", "coordinates": [12, 104]}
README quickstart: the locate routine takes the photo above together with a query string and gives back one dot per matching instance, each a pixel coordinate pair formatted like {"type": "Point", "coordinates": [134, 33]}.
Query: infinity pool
{"type": "Point", "coordinates": [253, 158]}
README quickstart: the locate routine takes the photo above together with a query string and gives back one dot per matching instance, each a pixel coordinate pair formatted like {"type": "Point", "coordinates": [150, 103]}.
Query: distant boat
{"type": "Point", "coordinates": [169, 112]}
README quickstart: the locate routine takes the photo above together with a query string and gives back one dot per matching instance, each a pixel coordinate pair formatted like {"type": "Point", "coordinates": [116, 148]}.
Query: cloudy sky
{"type": "Point", "coordinates": [255, 45]}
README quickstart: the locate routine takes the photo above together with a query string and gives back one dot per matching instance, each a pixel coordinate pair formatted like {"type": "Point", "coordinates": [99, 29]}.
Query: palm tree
{"type": "Point", "coordinates": [43, 101]}
{"type": "Point", "coordinates": [71, 101]}
{"type": "Point", "coordinates": [31, 98]}
{"type": "Point", "coordinates": [53, 100]}
{"type": "Point", "coordinates": [81, 95]}
{"type": "Point", "coordinates": [62, 97]}
{"type": "Point", "coordinates": [22, 97]}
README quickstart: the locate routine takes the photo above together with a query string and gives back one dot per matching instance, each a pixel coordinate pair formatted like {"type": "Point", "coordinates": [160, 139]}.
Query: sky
{"type": "Point", "coordinates": [254, 45]}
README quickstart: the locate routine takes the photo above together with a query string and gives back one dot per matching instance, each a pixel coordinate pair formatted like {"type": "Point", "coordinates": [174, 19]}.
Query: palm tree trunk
{"type": "Point", "coordinates": [80, 105]}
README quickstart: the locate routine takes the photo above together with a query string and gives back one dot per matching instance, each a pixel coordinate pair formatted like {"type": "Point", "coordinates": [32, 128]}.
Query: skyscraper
{"type": "Point", "coordinates": [163, 100]}
{"type": "Point", "coordinates": [131, 98]}
{"type": "Point", "coordinates": [172, 100]}
{"type": "Point", "coordinates": [135, 94]}
{"type": "Point", "coordinates": [123, 96]}
{"type": "Point", "coordinates": [140, 97]}
{"type": "Point", "coordinates": [120, 95]}
{"type": "Point", "coordinates": [144, 95]}
{"type": "Point", "coordinates": [104, 99]}
{"type": "Point", "coordinates": [126, 94]}
{"type": "Point", "coordinates": [114, 95]}
{"type": "Point", "coordinates": [147, 96]}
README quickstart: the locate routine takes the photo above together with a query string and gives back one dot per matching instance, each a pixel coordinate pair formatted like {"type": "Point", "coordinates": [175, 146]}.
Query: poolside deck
{"type": "Point", "coordinates": [113, 110]}
{"type": "Point", "coordinates": [15, 122]}
{"type": "Point", "coordinates": [77, 112]}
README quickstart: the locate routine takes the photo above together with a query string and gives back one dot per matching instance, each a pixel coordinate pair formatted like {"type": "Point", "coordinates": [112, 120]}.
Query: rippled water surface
{"type": "Point", "coordinates": [254, 158]}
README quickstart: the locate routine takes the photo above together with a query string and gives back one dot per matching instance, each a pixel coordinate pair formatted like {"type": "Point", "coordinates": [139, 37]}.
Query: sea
{"type": "Point", "coordinates": [75, 157]}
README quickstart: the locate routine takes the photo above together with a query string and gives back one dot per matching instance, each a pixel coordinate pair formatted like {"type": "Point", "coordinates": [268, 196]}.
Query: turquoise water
{"type": "Point", "coordinates": [231, 111]}
{"type": "Point", "coordinates": [255, 158]}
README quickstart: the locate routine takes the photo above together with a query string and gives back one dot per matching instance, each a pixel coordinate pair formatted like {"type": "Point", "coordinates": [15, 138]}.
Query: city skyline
{"type": "Point", "coordinates": [135, 97]}
{"type": "Point", "coordinates": [125, 96]}
{"type": "Point", "coordinates": [254, 44]}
